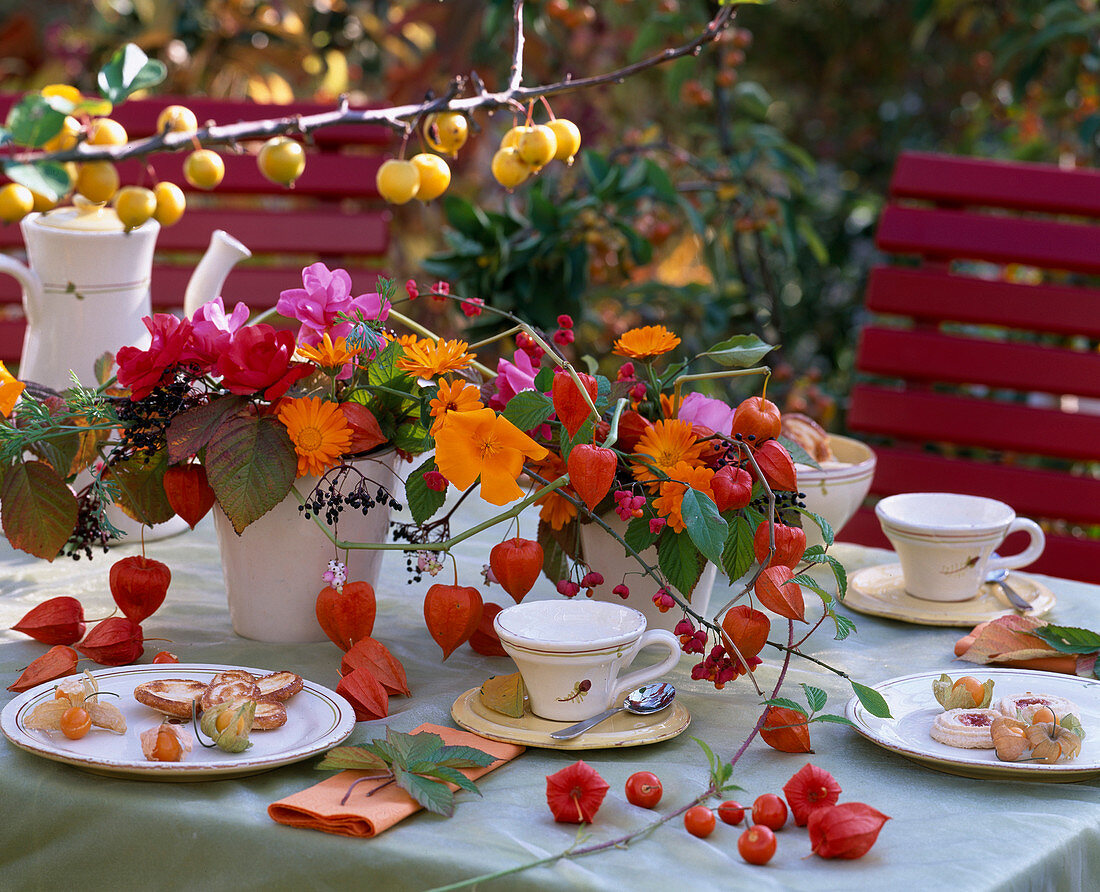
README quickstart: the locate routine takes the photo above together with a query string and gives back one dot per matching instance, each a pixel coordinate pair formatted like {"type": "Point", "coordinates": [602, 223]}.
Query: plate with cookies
{"type": "Point", "coordinates": [178, 721]}
{"type": "Point", "coordinates": [1015, 724]}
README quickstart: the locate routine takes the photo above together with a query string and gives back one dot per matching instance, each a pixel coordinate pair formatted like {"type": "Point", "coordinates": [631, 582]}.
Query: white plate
{"type": "Point", "coordinates": [317, 719]}
{"type": "Point", "coordinates": [914, 708]}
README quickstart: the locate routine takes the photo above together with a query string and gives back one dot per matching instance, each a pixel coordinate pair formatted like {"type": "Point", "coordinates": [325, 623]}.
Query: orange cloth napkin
{"type": "Point", "coordinates": [318, 807]}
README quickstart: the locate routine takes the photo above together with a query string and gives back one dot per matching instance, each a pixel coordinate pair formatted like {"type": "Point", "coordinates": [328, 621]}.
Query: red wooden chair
{"type": "Point", "coordinates": [979, 372]}
{"type": "Point", "coordinates": [333, 213]}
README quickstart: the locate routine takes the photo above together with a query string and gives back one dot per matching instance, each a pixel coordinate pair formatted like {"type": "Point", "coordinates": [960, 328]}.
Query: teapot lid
{"type": "Point", "coordinates": [83, 216]}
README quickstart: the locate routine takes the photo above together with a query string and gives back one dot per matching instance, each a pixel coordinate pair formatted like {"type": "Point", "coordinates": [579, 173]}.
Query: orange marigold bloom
{"type": "Point", "coordinates": [454, 396]}
{"type": "Point", "coordinates": [319, 431]}
{"type": "Point", "coordinates": [661, 446]}
{"type": "Point", "coordinates": [670, 502]}
{"type": "Point", "coordinates": [670, 407]}
{"type": "Point", "coordinates": [10, 390]}
{"type": "Point", "coordinates": [328, 355]}
{"type": "Point", "coordinates": [646, 342]}
{"type": "Point", "coordinates": [556, 510]}
{"type": "Point", "coordinates": [482, 443]}
{"type": "Point", "coordinates": [426, 358]}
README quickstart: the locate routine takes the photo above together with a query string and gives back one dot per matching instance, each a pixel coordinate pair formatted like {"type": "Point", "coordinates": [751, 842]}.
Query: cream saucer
{"type": "Point", "coordinates": [880, 591]}
{"type": "Point", "coordinates": [621, 730]}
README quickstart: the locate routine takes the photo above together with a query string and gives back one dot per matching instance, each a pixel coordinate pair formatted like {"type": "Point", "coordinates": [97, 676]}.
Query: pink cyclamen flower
{"type": "Point", "coordinates": [707, 412]}
{"type": "Point", "coordinates": [325, 295]}
{"type": "Point", "coordinates": [212, 328]}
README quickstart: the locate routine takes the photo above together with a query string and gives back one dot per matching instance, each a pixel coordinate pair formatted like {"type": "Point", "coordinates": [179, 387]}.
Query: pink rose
{"type": "Point", "coordinates": [258, 357]}
{"type": "Point", "coordinates": [707, 412]}
{"type": "Point", "coordinates": [141, 370]}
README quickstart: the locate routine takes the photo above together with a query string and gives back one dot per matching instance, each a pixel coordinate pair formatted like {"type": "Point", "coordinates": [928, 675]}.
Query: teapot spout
{"type": "Point", "coordinates": [209, 276]}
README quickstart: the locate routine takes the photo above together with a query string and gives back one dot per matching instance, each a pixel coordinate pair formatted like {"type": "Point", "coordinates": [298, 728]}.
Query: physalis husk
{"type": "Point", "coordinates": [964, 693]}
{"type": "Point", "coordinates": [81, 692]}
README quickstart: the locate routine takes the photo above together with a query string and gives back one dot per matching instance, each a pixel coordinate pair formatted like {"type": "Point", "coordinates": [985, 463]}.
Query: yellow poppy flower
{"type": "Point", "coordinates": [426, 358]}
{"type": "Point", "coordinates": [482, 443]}
{"type": "Point", "coordinates": [646, 342]}
{"type": "Point", "coordinates": [10, 390]}
{"type": "Point", "coordinates": [662, 446]}
{"type": "Point", "coordinates": [454, 396]}
{"type": "Point", "coordinates": [319, 431]}
{"type": "Point", "coordinates": [327, 355]}
{"type": "Point", "coordinates": [669, 503]}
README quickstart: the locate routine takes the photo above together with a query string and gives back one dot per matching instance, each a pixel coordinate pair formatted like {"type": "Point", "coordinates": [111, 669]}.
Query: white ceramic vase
{"type": "Point", "coordinates": [607, 555]}
{"type": "Point", "coordinates": [273, 570]}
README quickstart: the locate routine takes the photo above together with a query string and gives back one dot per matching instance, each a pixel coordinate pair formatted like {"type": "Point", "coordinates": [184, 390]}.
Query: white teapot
{"type": "Point", "coordinates": [86, 288]}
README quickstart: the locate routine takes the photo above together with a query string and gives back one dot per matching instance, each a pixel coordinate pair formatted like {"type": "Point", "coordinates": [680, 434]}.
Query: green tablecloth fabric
{"type": "Point", "coordinates": [60, 825]}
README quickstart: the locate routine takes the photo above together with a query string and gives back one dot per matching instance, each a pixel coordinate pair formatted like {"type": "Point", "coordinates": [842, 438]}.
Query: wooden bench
{"type": "Point", "coordinates": [333, 213]}
{"type": "Point", "coordinates": [979, 371]}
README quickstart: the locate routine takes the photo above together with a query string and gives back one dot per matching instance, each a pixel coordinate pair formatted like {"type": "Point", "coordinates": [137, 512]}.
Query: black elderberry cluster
{"type": "Point", "coordinates": [329, 500]}
{"type": "Point", "coordinates": [145, 421]}
{"type": "Point", "coordinates": [785, 505]}
{"type": "Point", "coordinates": [89, 532]}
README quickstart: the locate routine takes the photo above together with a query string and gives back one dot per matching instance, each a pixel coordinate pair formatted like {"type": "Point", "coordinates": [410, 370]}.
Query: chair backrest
{"type": "Point", "coordinates": [979, 372]}
{"type": "Point", "coordinates": [333, 213]}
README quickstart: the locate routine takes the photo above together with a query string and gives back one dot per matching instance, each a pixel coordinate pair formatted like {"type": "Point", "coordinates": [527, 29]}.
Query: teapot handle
{"type": "Point", "coordinates": [32, 285]}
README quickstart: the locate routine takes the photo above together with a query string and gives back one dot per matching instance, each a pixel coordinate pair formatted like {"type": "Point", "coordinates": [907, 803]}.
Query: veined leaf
{"type": "Point", "coordinates": [39, 511]}
{"type": "Point", "coordinates": [737, 554]}
{"type": "Point", "coordinates": [638, 535]}
{"type": "Point", "coordinates": [528, 409]}
{"type": "Point", "coordinates": [444, 774]}
{"type": "Point", "coordinates": [786, 703]}
{"type": "Point", "coordinates": [704, 524]}
{"type": "Point", "coordinates": [740, 351]}
{"type": "Point", "coordinates": [679, 560]}
{"type": "Point", "coordinates": [251, 466]}
{"type": "Point", "coordinates": [1069, 639]}
{"type": "Point", "coordinates": [351, 758]}
{"type": "Point", "coordinates": [815, 697]}
{"type": "Point", "coordinates": [128, 71]}
{"type": "Point", "coordinates": [141, 488]}
{"type": "Point", "coordinates": [834, 719]}
{"type": "Point", "coordinates": [844, 626]}
{"type": "Point", "coordinates": [48, 178]}
{"type": "Point", "coordinates": [433, 795]}
{"type": "Point", "coordinates": [423, 501]}
{"type": "Point", "coordinates": [190, 431]}
{"type": "Point", "coordinates": [872, 700]}
{"type": "Point", "coordinates": [33, 121]}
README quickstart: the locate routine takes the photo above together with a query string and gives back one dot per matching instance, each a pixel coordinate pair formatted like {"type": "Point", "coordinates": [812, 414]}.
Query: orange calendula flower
{"type": "Point", "coordinates": [662, 446]}
{"type": "Point", "coordinates": [328, 355]}
{"type": "Point", "coordinates": [646, 342]}
{"type": "Point", "coordinates": [454, 396]}
{"type": "Point", "coordinates": [670, 407]}
{"type": "Point", "coordinates": [670, 502]}
{"type": "Point", "coordinates": [10, 390]}
{"type": "Point", "coordinates": [482, 443]}
{"type": "Point", "coordinates": [426, 358]}
{"type": "Point", "coordinates": [556, 510]}
{"type": "Point", "coordinates": [319, 431]}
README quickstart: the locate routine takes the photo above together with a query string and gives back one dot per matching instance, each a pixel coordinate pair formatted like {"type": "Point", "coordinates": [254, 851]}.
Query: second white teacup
{"type": "Point", "coordinates": [571, 653]}
{"type": "Point", "coordinates": [945, 541]}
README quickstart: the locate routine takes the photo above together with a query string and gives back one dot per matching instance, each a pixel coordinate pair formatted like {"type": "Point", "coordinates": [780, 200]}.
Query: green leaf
{"type": "Point", "coordinates": [712, 760]}
{"type": "Point", "coordinates": [814, 696]}
{"type": "Point", "coordinates": [834, 719]}
{"type": "Point", "coordinates": [1069, 639]}
{"type": "Point", "coordinates": [445, 774]}
{"type": "Point", "coordinates": [844, 626]}
{"type": "Point", "coordinates": [251, 465]}
{"type": "Point", "coordinates": [872, 700]}
{"type": "Point", "coordinates": [190, 431]}
{"type": "Point", "coordinates": [128, 71]}
{"type": "Point", "coordinates": [410, 748]}
{"type": "Point", "coordinates": [786, 704]}
{"type": "Point", "coordinates": [528, 409]}
{"type": "Point", "coordinates": [141, 488]}
{"type": "Point", "coordinates": [33, 121]}
{"type": "Point", "coordinates": [737, 555]}
{"type": "Point", "coordinates": [463, 757]}
{"type": "Point", "coordinates": [679, 560]}
{"type": "Point", "coordinates": [48, 178]}
{"type": "Point", "coordinates": [37, 510]}
{"type": "Point", "coordinates": [809, 582]}
{"type": "Point", "coordinates": [544, 380]}
{"type": "Point", "coordinates": [704, 524]}
{"type": "Point", "coordinates": [422, 500]}
{"type": "Point", "coordinates": [555, 564]}
{"type": "Point", "coordinates": [740, 351]}
{"type": "Point", "coordinates": [638, 535]}
{"type": "Point", "coordinates": [351, 758]}
{"type": "Point", "coordinates": [383, 368]}
{"type": "Point", "coordinates": [827, 534]}
{"type": "Point", "coordinates": [798, 455]}
{"type": "Point", "coordinates": [433, 795]}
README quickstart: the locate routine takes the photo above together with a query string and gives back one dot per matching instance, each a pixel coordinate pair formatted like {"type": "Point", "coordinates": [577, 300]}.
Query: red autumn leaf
{"type": "Point", "coordinates": [485, 639]}
{"type": "Point", "coordinates": [57, 662]}
{"type": "Point", "coordinates": [139, 586]}
{"type": "Point", "coordinates": [591, 472]}
{"type": "Point", "coordinates": [845, 831]}
{"type": "Point", "coordinates": [732, 487]}
{"type": "Point", "coordinates": [365, 431]}
{"type": "Point", "coordinates": [575, 793]}
{"type": "Point", "coordinates": [790, 544]}
{"type": "Point", "coordinates": [516, 563]}
{"type": "Point", "coordinates": [366, 695]}
{"type": "Point", "coordinates": [786, 730]}
{"type": "Point", "coordinates": [569, 403]}
{"type": "Point", "coordinates": [189, 492]}
{"type": "Point", "coordinates": [778, 594]}
{"type": "Point", "coordinates": [347, 616]}
{"type": "Point", "coordinates": [367, 653]}
{"type": "Point", "coordinates": [1007, 638]}
{"type": "Point", "coordinates": [776, 465]}
{"type": "Point", "coordinates": [809, 789]}
{"type": "Point", "coordinates": [59, 620]}
{"type": "Point", "coordinates": [116, 641]}
{"type": "Point", "coordinates": [747, 628]}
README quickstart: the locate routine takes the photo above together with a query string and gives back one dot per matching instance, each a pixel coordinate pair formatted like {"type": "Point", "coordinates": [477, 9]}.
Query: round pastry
{"type": "Point", "coordinates": [965, 728]}
{"type": "Point", "coordinates": [1024, 706]}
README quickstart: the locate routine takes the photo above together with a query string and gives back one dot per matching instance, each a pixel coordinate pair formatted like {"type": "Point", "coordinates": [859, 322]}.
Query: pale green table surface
{"type": "Point", "coordinates": [62, 827]}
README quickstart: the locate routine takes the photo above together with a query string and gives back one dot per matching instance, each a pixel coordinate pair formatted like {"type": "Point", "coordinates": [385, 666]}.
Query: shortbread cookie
{"type": "Point", "coordinates": [1024, 706]}
{"type": "Point", "coordinates": [232, 685]}
{"type": "Point", "coordinates": [965, 728]}
{"type": "Point", "coordinates": [171, 696]}
{"type": "Point", "coordinates": [279, 686]}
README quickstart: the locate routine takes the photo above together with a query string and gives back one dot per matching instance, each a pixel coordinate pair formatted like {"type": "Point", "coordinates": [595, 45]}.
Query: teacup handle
{"type": "Point", "coordinates": [636, 679]}
{"type": "Point", "coordinates": [1029, 554]}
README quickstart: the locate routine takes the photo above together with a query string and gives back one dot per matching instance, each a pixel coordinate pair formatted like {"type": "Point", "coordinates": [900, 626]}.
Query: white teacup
{"type": "Point", "coordinates": [945, 541]}
{"type": "Point", "coordinates": [570, 654]}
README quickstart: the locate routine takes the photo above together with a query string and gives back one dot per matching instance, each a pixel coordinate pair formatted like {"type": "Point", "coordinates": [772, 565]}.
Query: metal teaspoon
{"type": "Point", "coordinates": [648, 699]}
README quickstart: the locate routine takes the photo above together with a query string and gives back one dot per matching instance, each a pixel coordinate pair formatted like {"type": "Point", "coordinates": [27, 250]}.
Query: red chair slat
{"type": "Point", "coordinates": [951, 180]}
{"type": "Point", "coordinates": [257, 286]}
{"type": "Point", "coordinates": [929, 294]}
{"type": "Point", "coordinates": [928, 356]}
{"type": "Point", "coordinates": [929, 417]}
{"type": "Point", "coordinates": [964, 235]}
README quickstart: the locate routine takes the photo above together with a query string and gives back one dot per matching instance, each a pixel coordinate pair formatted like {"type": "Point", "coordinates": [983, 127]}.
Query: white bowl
{"type": "Point", "coordinates": [838, 488]}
